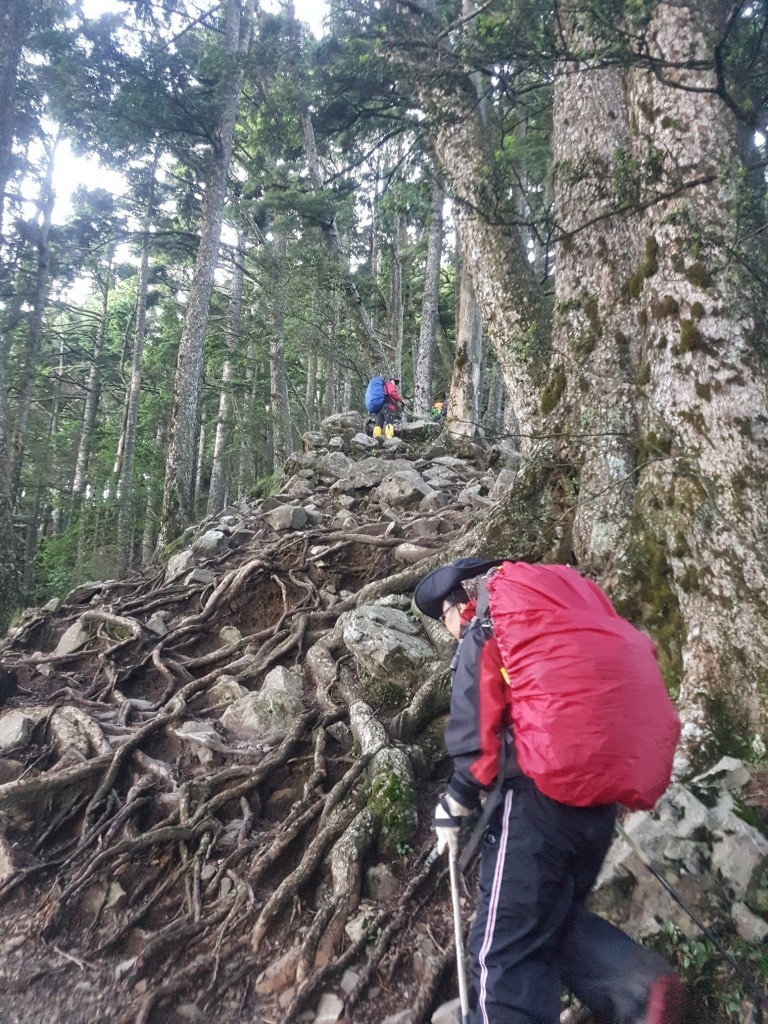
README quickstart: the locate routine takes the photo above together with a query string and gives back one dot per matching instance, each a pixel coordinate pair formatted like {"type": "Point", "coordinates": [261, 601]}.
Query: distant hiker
{"type": "Point", "coordinates": [383, 399]}
{"type": "Point", "coordinates": [558, 704]}
{"type": "Point", "coordinates": [439, 408]}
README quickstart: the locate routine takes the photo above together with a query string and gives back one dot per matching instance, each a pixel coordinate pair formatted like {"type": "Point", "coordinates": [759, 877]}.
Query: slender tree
{"type": "Point", "coordinates": [178, 509]}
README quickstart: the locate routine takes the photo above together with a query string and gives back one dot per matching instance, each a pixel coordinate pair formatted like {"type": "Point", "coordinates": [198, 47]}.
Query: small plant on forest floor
{"type": "Point", "coordinates": [719, 978]}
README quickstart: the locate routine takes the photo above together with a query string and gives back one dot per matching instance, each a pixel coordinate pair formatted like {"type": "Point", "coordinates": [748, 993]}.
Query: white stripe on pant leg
{"type": "Point", "coordinates": [493, 905]}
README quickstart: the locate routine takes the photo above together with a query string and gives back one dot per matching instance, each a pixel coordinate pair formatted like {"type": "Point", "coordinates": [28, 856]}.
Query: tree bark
{"type": "Point", "coordinates": [14, 25]}
{"type": "Point", "coordinates": [422, 390]}
{"type": "Point", "coordinates": [280, 411]}
{"type": "Point", "coordinates": [127, 457]}
{"type": "Point", "coordinates": [698, 545]}
{"type": "Point", "coordinates": [591, 395]}
{"type": "Point", "coordinates": [505, 287]}
{"type": "Point", "coordinates": [92, 392]}
{"type": "Point", "coordinates": [463, 418]}
{"type": "Point", "coordinates": [217, 491]}
{"type": "Point", "coordinates": [34, 335]}
{"type": "Point", "coordinates": [178, 509]}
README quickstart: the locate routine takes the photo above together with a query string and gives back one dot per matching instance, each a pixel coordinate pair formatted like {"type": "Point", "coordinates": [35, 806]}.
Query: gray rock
{"type": "Point", "coordinates": [73, 639]}
{"type": "Point", "coordinates": [348, 981]}
{"type": "Point", "coordinates": [287, 517]}
{"type": "Point", "coordinates": [179, 563]}
{"type": "Point", "coordinates": [333, 466]}
{"type": "Point", "coordinates": [419, 430]}
{"type": "Point", "coordinates": [341, 421]}
{"type": "Point", "coordinates": [15, 731]}
{"type": "Point", "coordinates": [701, 846]}
{"type": "Point", "coordinates": [387, 645]}
{"type": "Point", "coordinates": [198, 575]}
{"type": "Point", "coordinates": [299, 487]}
{"type": "Point", "coordinates": [311, 439]}
{"type": "Point", "coordinates": [230, 635]}
{"type": "Point", "coordinates": [749, 926]}
{"type": "Point", "coordinates": [283, 680]}
{"type": "Point", "coordinates": [447, 1013]}
{"type": "Point", "coordinates": [329, 1009]}
{"type": "Point", "coordinates": [504, 483]}
{"type": "Point", "coordinates": [363, 442]}
{"type": "Point", "coordinates": [226, 690]}
{"type": "Point", "coordinates": [336, 443]}
{"type": "Point", "coordinates": [263, 717]}
{"type": "Point", "coordinates": [53, 605]}
{"type": "Point", "coordinates": [403, 489]}
{"type": "Point", "coordinates": [157, 624]}
{"type": "Point", "coordinates": [344, 521]}
{"type": "Point", "coordinates": [210, 544]}
{"type": "Point", "coordinates": [434, 501]}
{"type": "Point", "coordinates": [442, 476]}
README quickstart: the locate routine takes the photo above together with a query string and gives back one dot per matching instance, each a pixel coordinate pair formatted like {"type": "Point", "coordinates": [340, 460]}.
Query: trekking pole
{"type": "Point", "coordinates": [463, 997]}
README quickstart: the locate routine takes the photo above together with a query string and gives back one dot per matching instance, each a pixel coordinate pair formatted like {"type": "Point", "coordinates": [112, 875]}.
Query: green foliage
{"type": "Point", "coordinates": [718, 978]}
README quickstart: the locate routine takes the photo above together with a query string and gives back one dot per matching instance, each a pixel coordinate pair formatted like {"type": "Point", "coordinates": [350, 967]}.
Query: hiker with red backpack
{"type": "Point", "coordinates": [383, 399]}
{"type": "Point", "coordinates": [546, 679]}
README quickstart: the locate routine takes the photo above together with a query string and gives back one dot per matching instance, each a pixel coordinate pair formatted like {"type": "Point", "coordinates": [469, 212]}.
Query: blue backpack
{"type": "Point", "coordinates": [374, 394]}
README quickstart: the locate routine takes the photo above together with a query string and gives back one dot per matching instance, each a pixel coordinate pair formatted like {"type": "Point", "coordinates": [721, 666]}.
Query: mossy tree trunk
{"type": "Point", "coordinates": [701, 520]}
{"type": "Point", "coordinates": [658, 483]}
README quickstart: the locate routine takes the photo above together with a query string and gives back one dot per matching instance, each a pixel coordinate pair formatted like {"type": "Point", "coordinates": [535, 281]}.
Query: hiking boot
{"type": "Point", "coordinates": [666, 1002]}
{"type": "Point", "coordinates": [389, 430]}
{"type": "Point", "coordinates": [377, 431]}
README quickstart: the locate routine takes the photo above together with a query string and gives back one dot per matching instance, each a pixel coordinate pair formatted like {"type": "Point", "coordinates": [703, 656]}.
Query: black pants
{"type": "Point", "coordinates": [532, 933]}
{"type": "Point", "coordinates": [386, 414]}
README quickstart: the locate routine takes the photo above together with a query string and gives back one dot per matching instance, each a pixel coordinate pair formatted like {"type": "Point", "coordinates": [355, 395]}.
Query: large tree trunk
{"type": "Point", "coordinates": [464, 395]}
{"type": "Point", "coordinates": [178, 509]}
{"type": "Point", "coordinates": [509, 298]}
{"type": "Point", "coordinates": [701, 519]}
{"type": "Point", "coordinates": [591, 395]}
{"type": "Point", "coordinates": [659, 483]}
{"type": "Point", "coordinates": [422, 389]}
{"type": "Point", "coordinates": [217, 491]}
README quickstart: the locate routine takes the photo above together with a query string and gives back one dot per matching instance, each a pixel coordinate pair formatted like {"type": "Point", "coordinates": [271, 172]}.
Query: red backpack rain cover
{"type": "Point", "coordinates": [593, 721]}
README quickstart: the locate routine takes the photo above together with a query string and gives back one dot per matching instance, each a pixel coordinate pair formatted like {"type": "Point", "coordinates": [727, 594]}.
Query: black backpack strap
{"type": "Point", "coordinates": [492, 801]}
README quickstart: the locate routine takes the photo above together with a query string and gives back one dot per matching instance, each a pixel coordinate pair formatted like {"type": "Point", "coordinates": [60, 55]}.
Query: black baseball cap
{"type": "Point", "coordinates": [433, 589]}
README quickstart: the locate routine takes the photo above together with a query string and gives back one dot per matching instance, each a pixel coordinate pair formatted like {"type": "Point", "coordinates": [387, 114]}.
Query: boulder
{"type": "Point", "coordinates": [262, 717]}
{"type": "Point", "coordinates": [389, 649]}
{"type": "Point", "coordinates": [179, 563]}
{"type": "Point", "coordinates": [333, 466]}
{"type": "Point", "coordinates": [403, 489]}
{"type": "Point", "coordinates": [286, 517]}
{"type": "Point", "coordinates": [210, 544]}
{"type": "Point", "coordinates": [283, 680]}
{"type": "Point", "coordinates": [696, 838]}
{"type": "Point", "coordinates": [15, 732]}
{"type": "Point", "coordinates": [72, 639]}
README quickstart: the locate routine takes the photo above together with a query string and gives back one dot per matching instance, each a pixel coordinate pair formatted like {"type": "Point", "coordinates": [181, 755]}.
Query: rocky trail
{"type": "Point", "coordinates": [217, 776]}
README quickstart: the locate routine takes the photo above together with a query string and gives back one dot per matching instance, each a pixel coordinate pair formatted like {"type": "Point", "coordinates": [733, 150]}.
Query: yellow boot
{"type": "Point", "coordinates": [389, 430]}
{"type": "Point", "coordinates": [377, 431]}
